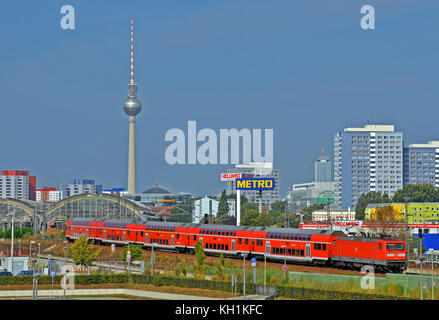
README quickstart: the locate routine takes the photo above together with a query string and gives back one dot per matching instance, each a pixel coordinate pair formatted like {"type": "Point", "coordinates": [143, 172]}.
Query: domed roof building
{"type": "Point", "coordinates": [156, 190]}
{"type": "Point", "coordinates": [159, 199]}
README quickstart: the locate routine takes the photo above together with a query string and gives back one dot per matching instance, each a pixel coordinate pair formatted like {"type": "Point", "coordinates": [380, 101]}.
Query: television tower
{"type": "Point", "coordinates": [132, 107]}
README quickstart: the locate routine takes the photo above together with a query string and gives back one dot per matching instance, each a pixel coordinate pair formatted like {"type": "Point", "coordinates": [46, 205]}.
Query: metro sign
{"type": "Point", "coordinates": [255, 184]}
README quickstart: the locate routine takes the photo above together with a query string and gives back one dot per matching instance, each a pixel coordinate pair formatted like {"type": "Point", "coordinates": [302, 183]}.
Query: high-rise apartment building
{"type": "Point", "coordinates": [79, 186]}
{"type": "Point", "coordinates": [48, 194]}
{"type": "Point", "coordinates": [257, 170]}
{"type": "Point", "coordinates": [367, 159]}
{"type": "Point", "coordinates": [421, 163]}
{"type": "Point", "coordinates": [17, 184]}
{"type": "Point", "coordinates": [322, 168]}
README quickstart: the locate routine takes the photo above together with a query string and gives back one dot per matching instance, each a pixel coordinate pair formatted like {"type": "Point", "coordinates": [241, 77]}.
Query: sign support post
{"type": "Point", "coordinates": [238, 207]}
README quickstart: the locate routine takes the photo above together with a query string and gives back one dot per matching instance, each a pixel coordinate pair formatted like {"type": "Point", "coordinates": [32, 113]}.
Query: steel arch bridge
{"type": "Point", "coordinates": [21, 210]}
{"type": "Point", "coordinates": [38, 214]}
{"type": "Point", "coordinates": [102, 206]}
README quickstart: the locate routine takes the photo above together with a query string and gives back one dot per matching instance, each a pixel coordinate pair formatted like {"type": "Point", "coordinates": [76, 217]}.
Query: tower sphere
{"type": "Point", "coordinates": [132, 106]}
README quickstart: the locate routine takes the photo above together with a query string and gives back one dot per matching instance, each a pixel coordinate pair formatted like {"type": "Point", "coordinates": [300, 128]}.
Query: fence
{"type": "Point", "coordinates": [404, 285]}
{"type": "Point", "coordinates": [282, 291]}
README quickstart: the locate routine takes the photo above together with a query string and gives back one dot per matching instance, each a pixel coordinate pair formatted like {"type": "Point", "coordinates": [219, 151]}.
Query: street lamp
{"type": "Point", "coordinates": [30, 249]}
{"type": "Point", "coordinates": [433, 256]}
{"type": "Point", "coordinates": [152, 259]}
{"type": "Point", "coordinates": [39, 259]}
{"type": "Point", "coordinates": [285, 261]}
{"type": "Point", "coordinates": [12, 243]}
{"type": "Point", "coordinates": [265, 266]}
{"type": "Point", "coordinates": [244, 255]}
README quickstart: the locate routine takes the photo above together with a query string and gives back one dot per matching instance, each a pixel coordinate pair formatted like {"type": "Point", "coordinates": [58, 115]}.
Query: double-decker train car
{"type": "Point", "coordinates": [318, 247]}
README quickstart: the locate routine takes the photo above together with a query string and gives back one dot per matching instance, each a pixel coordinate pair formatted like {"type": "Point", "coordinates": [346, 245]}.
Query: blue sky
{"type": "Point", "coordinates": [304, 68]}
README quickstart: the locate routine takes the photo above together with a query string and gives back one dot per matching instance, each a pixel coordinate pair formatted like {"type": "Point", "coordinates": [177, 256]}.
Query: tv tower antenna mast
{"type": "Point", "coordinates": [132, 107]}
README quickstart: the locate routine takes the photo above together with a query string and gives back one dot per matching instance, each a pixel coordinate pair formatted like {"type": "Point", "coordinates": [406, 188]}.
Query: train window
{"type": "Point", "coordinates": [324, 246]}
{"type": "Point", "coordinates": [178, 236]}
{"type": "Point", "coordinates": [379, 246]}
{"type": "Point", "coordinates": [289, 252]}
{"type": "Point", "coordinates": [227, 247]}
{"type": "Point", "coordinates": [195, 238]}
{"type": "Point", "coordinates": [284, 235]}
{"type": "Point", "coordinates": [272, 250]}
{"type": "Point", "coordinates": [239, 241]}
{"type": "Point", "coordinates": [222, 246]}
{"type": "Point", "coordinates": [319, 246]}
{"type": "Point", "coordinates": [301, 252]}
{"type": "Point", "coordinates": [395, 246]}
{"type": "Point", "coordinates": [141, 233]}
{"type": "Point", "coordinates": [246, 241]}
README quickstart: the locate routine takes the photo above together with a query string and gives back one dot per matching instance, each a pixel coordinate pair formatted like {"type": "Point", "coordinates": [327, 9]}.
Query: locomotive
{"type": "Point", "coordinates": [303, 246]}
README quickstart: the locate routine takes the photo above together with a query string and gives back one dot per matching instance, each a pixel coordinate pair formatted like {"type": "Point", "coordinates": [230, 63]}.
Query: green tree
{"type": "Point", "coordinates": [182, 212]}
{"type": "Point", "coordinates": [276, 218]}
{"type": "Point", "coordinates": [200, 266]}
{"type": "Point", "coordinates": [221, 259]}
{"type": "Point", "coordinates": [84, 253]}
{"type": "Point", "coordinates": [278, 206]}
{"type": "Point", "coordinates": [223, 209]}
{"type": "Point", "coordinates": [252, 217]}
{"type": "Point", "coordinates": [307, 211]}
{"type": "Point", "coordinates": [19, 233]}
{"type": "Point", "coordinates": [368, 198]}
{"type": "Point", "coordinates": [136, 252]}
{"type": "Point", "coordinates": [420, 192]}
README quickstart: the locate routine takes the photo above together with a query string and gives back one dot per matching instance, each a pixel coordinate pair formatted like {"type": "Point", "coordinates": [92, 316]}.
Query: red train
{"type": "Point", "coordinates": [324, 247]}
